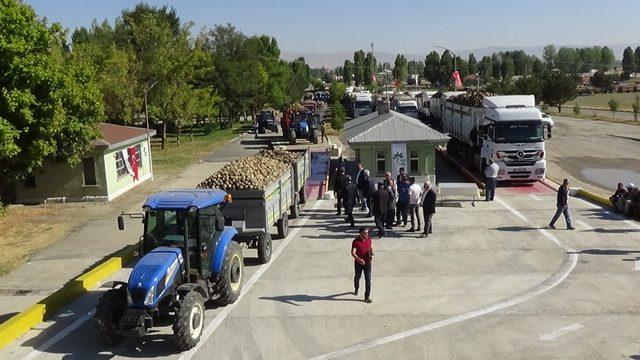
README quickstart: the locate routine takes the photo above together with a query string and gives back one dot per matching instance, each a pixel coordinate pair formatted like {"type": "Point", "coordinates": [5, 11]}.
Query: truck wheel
{"type": "Point", "coordinates": [229, 279]}
{"type": "Point", "coordinates": [283, 226]}
{"type": "Point", "coordinates": [294, 210]}
{"type": "Point", "coordinates": [292, 137]}
{"type": "Point", "coordinates": [109, 311]}
{"type": "Point", "coordinates": [302, 196]}
{"type": "Point", "coordinates": [189, 321]}
{"type": "Point", "coordinates": [264, 248]}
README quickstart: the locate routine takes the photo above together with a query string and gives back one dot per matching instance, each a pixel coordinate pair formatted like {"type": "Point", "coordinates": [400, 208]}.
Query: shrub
{"type": "Point", "coordinates": [339, 116]}
{"type": "Point", "coordinates": [576, 109]}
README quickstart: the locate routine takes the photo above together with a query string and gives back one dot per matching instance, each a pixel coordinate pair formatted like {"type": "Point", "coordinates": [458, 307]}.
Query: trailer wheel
{"type": "Point", "coordinates": [189, 321]}
{"type": "Point", "coordinates": [283, 226]}
{"type": "Point", "coordinates": [109, 311]}
{"type": "Point", "coordinates": [301, 195]}
{"type": "Point", "coordinates": [229, 280]}
{"type": "Point", "coordinates": [264, 248]}
{"type": "Point", "coordinates": [294, 210]}
{"type": "Point", "coordinates": [292, 137]}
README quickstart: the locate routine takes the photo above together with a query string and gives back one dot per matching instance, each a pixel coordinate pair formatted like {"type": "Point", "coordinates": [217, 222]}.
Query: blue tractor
{"type": "Point", "coordinates": [188, 256]}
{"type": "Point", "coordinates": [305, 125]}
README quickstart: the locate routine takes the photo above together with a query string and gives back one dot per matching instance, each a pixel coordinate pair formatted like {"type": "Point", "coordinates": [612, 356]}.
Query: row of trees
{"type": "Point", "coordinates": [52, 93]}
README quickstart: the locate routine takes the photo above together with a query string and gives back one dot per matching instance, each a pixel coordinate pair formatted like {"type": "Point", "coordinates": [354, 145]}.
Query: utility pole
{"type": "Point", "coordinates": [146, 118]}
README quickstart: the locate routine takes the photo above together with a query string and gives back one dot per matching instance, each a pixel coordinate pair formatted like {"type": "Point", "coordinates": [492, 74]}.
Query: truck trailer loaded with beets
{"type": "Point", "coordinates": [507, 129]}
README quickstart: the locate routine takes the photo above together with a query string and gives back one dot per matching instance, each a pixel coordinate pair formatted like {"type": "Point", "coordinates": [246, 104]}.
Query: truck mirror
{"type": "Point", "coordinates": [120, 222]}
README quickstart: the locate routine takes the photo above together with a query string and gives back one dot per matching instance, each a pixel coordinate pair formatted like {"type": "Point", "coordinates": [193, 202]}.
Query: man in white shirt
{"type": "Point", "coordinates": [491, 180]}
{"type": "Point", "coordinates": [414, 199]}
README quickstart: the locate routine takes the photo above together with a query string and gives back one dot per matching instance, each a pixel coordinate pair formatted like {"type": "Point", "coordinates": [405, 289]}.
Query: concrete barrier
{"type": "Point", "coordinates": [22, 322]}
{"type": "Point", "coordinates": [595, 198]}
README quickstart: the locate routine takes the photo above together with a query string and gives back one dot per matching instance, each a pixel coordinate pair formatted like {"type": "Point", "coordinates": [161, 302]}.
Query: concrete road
{"type": "Point", "coordinates": [596, 154]}
{"type": "Point", "coordinates": [489, 283]}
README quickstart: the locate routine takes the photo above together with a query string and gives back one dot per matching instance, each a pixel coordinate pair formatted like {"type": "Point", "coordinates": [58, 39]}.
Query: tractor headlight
{"type": "Point", "coordinates": [151, 295]}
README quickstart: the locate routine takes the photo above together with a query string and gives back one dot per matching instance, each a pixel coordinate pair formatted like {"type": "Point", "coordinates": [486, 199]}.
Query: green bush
{"type": "Point", "coordinates": [614, 105]}
{"type": "Point", "coordinates": [576, 109]}
{"type": "Point", "coordinates": [636, 108]}
{"type": "Point", "coordinates": [339, 116]}
{"type": "Point", "coordinates": [544, 107]}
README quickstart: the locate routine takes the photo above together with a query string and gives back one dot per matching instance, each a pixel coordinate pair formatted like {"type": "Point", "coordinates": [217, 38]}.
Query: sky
{"type": "Point", "coordinates": [396, 26]}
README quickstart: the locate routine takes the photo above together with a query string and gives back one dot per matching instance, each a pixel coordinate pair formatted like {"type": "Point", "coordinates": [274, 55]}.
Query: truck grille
{"type": "Point", "coordinates": [520, 157]}
{"type": "Point", "coordinates": [138, 295]}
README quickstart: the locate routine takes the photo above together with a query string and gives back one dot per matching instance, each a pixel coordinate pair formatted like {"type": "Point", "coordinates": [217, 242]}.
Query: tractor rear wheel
{"type": "Point", "coordinates": [229, 280]}
{"type": "Point", "coordinates": [315, 137]}
{"type": "Point", "coordinates": [189, 320]}
{"type": "Point", "coordinates": [283, 226]}
{"type": "Point", "coordinates": [292, 137]}
{"type": "Point", "coordinates": [301, 195]}
{"type": "Point", "coordinates": [264, 248]}
{"type": "Point", "coordinates": [109, 311]}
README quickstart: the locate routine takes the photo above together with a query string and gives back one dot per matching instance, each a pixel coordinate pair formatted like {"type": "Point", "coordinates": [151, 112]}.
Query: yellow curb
{"type": "Point", "coordinates": [44, 309]}
{"type": "Point", "coordinates": [595, 198]}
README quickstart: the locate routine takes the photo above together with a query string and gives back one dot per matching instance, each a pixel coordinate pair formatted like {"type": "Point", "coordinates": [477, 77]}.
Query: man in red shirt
{"type": "Point", "coordinates": [362, 252]}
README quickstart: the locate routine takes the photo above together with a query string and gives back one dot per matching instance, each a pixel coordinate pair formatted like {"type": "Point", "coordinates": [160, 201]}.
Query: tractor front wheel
{"type": "Point", "coordinates": [292, 137]}
{"type": "Point", "coordinates": [264, 248]}
{"type": "Point", "coordinates": [189, 321]}
{"type": "Point", "coordinates": [315, 137]}
{"type": "Point", "coordinates": [229, 279]}
{"type": "Point", "coordinates": [109, 311]}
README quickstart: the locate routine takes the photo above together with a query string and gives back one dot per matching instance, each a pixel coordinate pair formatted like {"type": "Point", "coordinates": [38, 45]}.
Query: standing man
{"type": "Point", "coordinates": [338, 186]}
{"type": "Point", "coordinates": [428, 208]}
{"type": "Point", "coordinates": [324, 131]}
{"type": "Point", "coordinates": [401, 174]}
{"type": "Point", "coordinates": [362, 252]}
{"type": "Point", "coordinates": [562, 205]}
{"type": "Point", "coordinates": [491, 180]}
{"type": "Point", "coordinates": [403, 201]}
{"type": "Point", "coordinates": [414, 200]}
{"type": "Point", "coordinates": [371, 188]}
{"type": "Point", "coordinates": [392, 188]}
{"type": "Point", "coordinates": [341, 162]}
{"type": "Point", "coordinates": [380, 203]}
{"type": "Point", "coordinates": [360, 181]}
{"type": "Point", "coordinates": [349, 193]}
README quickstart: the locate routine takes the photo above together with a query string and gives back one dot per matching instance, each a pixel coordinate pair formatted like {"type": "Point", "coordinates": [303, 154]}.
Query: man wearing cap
{"type": "Point", "coordinates": [362, 253]}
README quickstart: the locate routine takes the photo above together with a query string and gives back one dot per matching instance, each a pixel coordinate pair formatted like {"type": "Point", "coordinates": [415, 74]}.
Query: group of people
{"type": "Point", "coordinates": [623, 194]}
{"type": "Point", "coordinates": [391, 202]}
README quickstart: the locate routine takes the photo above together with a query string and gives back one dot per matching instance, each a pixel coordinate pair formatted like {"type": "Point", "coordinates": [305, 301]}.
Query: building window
{"type": "Point", "coordinates": [89, 171]}
{"type": "Point", "coordinates": [121, 167]}
{"type": "Point", "coordinates": [139, 155]}
{"type": "Point", "coordinates": [30, 182]}
{"type": "Point", "coordinates": [414, 162]}
{"type": "Point", "coordinates": [381, 162]}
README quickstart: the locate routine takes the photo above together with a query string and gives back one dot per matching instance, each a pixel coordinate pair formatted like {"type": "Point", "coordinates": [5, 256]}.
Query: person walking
{"type": "Point", "coordinates": [362, 253]}
{"type": "Point", "coordinates": [380, 204]}
{"type": "Point", "coordinates": [349, 192]}
{"type": "Point", "coordinates": [491, 180]}
{"type": "Point", "coordinates": [392, 188]}
{"type": "Point", "coordinates": [403, 201]}
{"type": "Point", "coordinates": [428, 208]}
{"type": "Point", "coordinates": [342, 163]}
{"type": "Point", "coordinates": [361, 182]}
{"type": "Point", "coordinates": [338, 186]}
{"type": "Point", "coordinates": [371, 188]}
{"type": "Point", "coordinates": [562, 206]}
{"type": "Point", "coordinates": [324, 132]}
{"type": "Point", "coordinates": [414, 199]}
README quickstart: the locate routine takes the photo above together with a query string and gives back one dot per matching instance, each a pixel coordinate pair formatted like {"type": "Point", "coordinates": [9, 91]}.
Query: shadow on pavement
{"type": "Point", "coordinates": [515, 228]}
{"type": "Point", "coordinates": [304, 298]}
{"type": "Point", "coordinates": [605, 252]}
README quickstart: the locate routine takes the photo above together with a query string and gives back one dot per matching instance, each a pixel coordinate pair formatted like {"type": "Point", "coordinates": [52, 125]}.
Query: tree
{"type": "Point", "coordinates": [299, 79]}
{"type": "Point", "coordinates": [567, 58]}
{"type": "Point", "coordinates": [338, 117]}
{"type": "Point", "coordinates": [432, 67]}
{"type": "Point", "coordinates": [537, 66]}
{"type": "Point", "coordinates": [446, 67]}
{"type": "Point", "coordinates": [472, 64]}
{"type": "Point", "coordinates": [507, 69]}
{"type": "Point", "coordinates": [607, 58]}
{"type": "Point", "coordinates": [359, 69]}
{"type": "Point", "coordinates": [549, 56]}
{"type": "Point", "coordinates": [614, 105]}
{"type": "Point", "coordinates": [496, 66]}
{"type": "Point", "coordinates": [337, 91]}
{"type": "Point", "coordinates": [347, 72]}
{"type": "Point", "coordinates": [602, 81]}
{"type": "Point", "coordinates": [370, 66]}
{"type": "Point", "coordinates": [636, 57]}
{"type": "Point", "coordinates": [628, 60]}
{"type": "Point", "coordinates": [400, 68]}
{"type": "Point", "coordinates": [558, 88]}
{"type": "Point", "coordinates": [530, 85]}
{"type": "Point", "coordinates": [636, 108]}
{"type": "Point", "coordinates": [49, 104]}
{"type": "Point", "coordinates": [576, 109]}
{"type": "Point", "coordinates": [486, 67]}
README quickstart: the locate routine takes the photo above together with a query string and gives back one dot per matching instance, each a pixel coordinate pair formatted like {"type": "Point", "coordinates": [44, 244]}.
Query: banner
{"type": "Point", "coordinates": [457, 79]}
{"type": "Point", "coordinates": [398, 158]}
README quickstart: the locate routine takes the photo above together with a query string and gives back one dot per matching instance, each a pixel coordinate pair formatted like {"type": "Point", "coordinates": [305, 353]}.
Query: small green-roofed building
{"type": "Point", "coordinates": [385, 141]}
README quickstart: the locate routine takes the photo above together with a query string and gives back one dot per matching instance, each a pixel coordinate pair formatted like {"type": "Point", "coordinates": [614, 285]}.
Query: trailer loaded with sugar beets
{"type": "Point", "coordinates": [188, 256]}
{"type": "Point", "coordinates": [267, 189]}
{"type": "Point", "coordinates": [507, 129]}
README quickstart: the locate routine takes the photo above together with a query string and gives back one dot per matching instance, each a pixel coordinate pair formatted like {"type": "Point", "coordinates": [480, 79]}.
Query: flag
{"type": "Point", "coordinates": [133, 161]}
{"type": "Point", "coordinates": [456, 78]}
{"type": "Point", "coordinates": [373, 77]}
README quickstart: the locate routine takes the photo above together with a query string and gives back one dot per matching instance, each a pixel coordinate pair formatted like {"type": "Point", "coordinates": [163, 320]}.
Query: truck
{"type": "Point", "coordinates": [188, 256]}
{"type": "Point", "coordinates": [436, 104]}
{"type": "Point", "coordinates": [360, 103]}
{"type": "Point", "coordinates": [405, 105]}
{"type": "Point", "coordinates": [507, 129]}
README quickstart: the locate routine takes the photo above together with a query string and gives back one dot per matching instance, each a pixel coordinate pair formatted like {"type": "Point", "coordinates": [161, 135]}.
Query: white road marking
{"type": "Point", "coordinates": [540, 289]}
{"type": "Point", "coordinates": [217, 321]}
{"type": "Point", "coordinates": [632, 224]}
{"type": "Point", "coordinates": [535, 197]}
{"type": "Point", "coordinates": [584, 225]}
{"type": "Point", "coordinates": [552, 336]}
{"type": "Point", "coordinates": [42, 348]}
{"type": "Point", "coordinates": [637, 264]}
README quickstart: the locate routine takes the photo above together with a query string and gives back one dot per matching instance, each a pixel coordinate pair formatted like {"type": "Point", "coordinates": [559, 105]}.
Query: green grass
{"type": "Point", "coordinates": [176, 157]}
{"type": "Point", "coordinates": [600, 101]}
{"type": "Point", "coordinates": [584, 116]}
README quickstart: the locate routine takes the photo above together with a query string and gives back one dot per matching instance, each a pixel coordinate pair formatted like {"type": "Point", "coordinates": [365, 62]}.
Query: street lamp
{"type": "Point", "coordinates": [455, 67]}
{"type": "Point", "coordinates": [146, 117]}
{"type": "Point", "coordinates": [385, 73]}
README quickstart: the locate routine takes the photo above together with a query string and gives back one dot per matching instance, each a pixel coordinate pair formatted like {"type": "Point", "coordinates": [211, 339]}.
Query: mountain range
{"type": "Point", "coordinates": [333, 60]}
